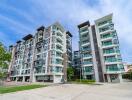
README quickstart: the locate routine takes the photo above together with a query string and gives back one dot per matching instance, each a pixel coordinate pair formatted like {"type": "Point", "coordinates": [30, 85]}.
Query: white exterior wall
{"type": "Point", "coordinates": [108, 17]}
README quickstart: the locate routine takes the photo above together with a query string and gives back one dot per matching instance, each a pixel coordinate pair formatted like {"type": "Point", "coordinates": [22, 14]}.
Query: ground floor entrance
{"type": "Point", "coordinates": [49, 78]}
{"type": "Point", "coordinates": [89, 77]}
{"type": "Point", "coordinates": [114, 78]}
{"type": "Point", "coordinates": [20, 78]}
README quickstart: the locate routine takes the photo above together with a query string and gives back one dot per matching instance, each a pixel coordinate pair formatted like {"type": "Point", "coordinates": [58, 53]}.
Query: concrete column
{"type": "Point", "coordinates": [23, 80]}
{"type": "Point", "coordinates": [16, 79]}
{"type": "Point", "coordinates": [108, 78]}
{"type": "Point", "coordinates": [120, 78]}
{"type": "Point", "coordinates": [54, 79]}
{"type": "Point", "coordinates": [33, 78]}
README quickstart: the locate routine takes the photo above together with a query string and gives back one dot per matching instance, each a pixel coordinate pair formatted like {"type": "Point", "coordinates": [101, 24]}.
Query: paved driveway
{"type": "Point", "coordinates": [75, 92]}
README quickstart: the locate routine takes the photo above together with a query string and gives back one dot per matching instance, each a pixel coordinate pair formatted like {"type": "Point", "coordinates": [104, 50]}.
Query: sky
{"type": "Point", "coordinates": [21, 17]}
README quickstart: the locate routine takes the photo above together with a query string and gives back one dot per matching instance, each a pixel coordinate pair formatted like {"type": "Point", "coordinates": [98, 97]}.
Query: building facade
{"type": "Point", "coordinates": [42, 57]}
{"type": "Point", "coordinates": [100, 54]}
{"type": "Point", "coordinates": [69, 48]}
{"type": "Point", "coordinates": [76, 59]}
{"type": "Point", "coordinates": [76, 64]}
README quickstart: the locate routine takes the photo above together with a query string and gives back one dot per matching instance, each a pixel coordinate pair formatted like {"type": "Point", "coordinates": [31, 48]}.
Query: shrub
{"type": "Point", "coordinates": [85, 81]}
{"type": "Point", "coordinates": [127, 76]}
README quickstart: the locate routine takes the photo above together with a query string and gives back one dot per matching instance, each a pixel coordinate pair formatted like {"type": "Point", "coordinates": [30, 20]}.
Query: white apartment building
{"type": "Point", "coordinates": [100, 53]}
{"type": "Point", "coordinates": [42, 57]}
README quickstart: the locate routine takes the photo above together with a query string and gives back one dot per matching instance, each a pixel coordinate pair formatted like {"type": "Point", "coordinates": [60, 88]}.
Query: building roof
{"type": "Point", "coordinates": [11, 46]}
{"type": "Point", "coordinates": [29, 36]}
{"type": "Point", "coordinates": [84, 24]}
{"type": "Point", "coordinates": [41, 28]}
{"type": "Point", "coordinates": [69, 33]}
{"type": "Point", "coordinates": [104, 18]}
{"type": "Point", "coordinates": [19, 41]}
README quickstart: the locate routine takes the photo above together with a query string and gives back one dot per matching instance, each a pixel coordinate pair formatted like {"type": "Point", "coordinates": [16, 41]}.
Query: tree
{"type": "Point", "coordinates": [70, 73]}
{"type": "Point", "coordinates": [5, 58]}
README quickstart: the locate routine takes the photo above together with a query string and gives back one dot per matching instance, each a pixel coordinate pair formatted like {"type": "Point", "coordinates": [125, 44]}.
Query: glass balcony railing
{"type": "Point", "coordinates": [112, 69]}
{"type": "Point", "coordinates": [88, 69]}
{"type": "Point", "coordinates": [85, 63]}
{"type": "Point", "coordinates": [85, 41]}
{"type": "Point", "coordinates": [87, 55]}
{"type": "Point", "coordinates": [109, 51]}
{"type": "Point", "coordinates": [104, 36]}
{"type": "Point", "coordinates": [106, 43]}
{"type": "Point", "coordinates": [83, 30]}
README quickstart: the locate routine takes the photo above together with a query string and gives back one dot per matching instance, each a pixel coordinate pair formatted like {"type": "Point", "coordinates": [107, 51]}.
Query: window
{"type": "Point", "coordinates": [38, 50]}
{"type": "Point", "coordinates": [58, 54]}
{"type": "Point", "coordinates": [104, 29]}
{"type": "Point", "coordinates": [106, 43]}
{"type": "Point", "coordinates": [58, 69]}
{"type": "Point", "coordinates": [106, 35]}
{"type": "Point", "coordinates": [58, 61]}
{"type": "Point", "coordinates": [102, 23]}
{"type": "Point", "coordinates": [88, 69]}
{"type": "Point", "coordinates": [53, 46]}
{"type": "Point", "coordinates": [113, 67]}
{"type": "Point", "coordinates": [108, 51]}
{"type": "Point", "coordinates": [110, 59]}
{"type": "Point", "coordinates": [83, 29]}
{"type": "Point", "coordinates": [38, 56]}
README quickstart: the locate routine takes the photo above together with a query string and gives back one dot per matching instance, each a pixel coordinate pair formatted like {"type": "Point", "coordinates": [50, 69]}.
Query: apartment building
{"type": "Point", "coordinates": [76, 64]}
{"type": "Point", "coordinates": [42, 57]}
{"type": "Point", "coordinates": [87, 52]}
{"type": "Point", "coordinates": [76, 59]}
{"type": "Point", "coordinates": [100, 54]}
{"type": "Point", "coordinates": [69, 48]}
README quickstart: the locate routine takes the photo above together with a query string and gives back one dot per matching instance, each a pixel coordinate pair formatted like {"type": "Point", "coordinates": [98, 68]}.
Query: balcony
{"type": "Point", "coordinates": [86, 49]}
{"type": "Point", "coordinates": [59, 41]}
{"type": "Point", "coordinates": [112, 69]}
{"type": "Point", "coordinates": [113, 60]}
{"type": "Point", "coordinates": [58, 61]}
{"type": "Point", "coordinates": [38, 63]}
{"type": "Point", "coordinates": [59, 48]}
{"type": "Point", "coordinates": [82, 30]}
{"type": "Point", "coordinates": [39, 44]}
{"type": "Point", "coordinates": [106, 36]}
{"type": "Point", "coordinates": [88, 70]}
{"type": "Point", "coordinates": [87, 62]}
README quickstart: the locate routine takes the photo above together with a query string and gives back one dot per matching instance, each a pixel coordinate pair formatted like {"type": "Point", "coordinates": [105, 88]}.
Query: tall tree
{"type": "Point", "coordinates": [5, 58]}
{"type": "Point", "coordinates": [70, 73]}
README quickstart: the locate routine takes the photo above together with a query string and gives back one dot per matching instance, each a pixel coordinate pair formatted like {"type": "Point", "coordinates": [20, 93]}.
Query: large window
{"type": "Point", "coordinates": [87, 61]}
{"type": "Point", "coordinates": [108, 51]}
{"type": "Point", "coordinates": [83, 29]}
{"type": "Point", "coordinates": [113, 67]}
{"type": "Point", "coordinates": [105, 35]}
{"type": "Point", "coordinates": [58, 69]}
{"type": "Point", "coordinates": [88, 69]}
{"type": "Point", "coordinates": [58, 54]}
{"type": "Point", "coordinates": [110, 59]}
{"type": "Point", "coordinates": [104, 29]}
{"type": "Point", "coordinates": [106, 43]}
{"type": "Point", "coordinates": [58, 61]}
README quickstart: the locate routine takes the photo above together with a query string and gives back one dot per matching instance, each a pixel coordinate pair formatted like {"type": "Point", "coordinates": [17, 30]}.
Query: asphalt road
{"type": "Point", "coordinates": [107, 91]}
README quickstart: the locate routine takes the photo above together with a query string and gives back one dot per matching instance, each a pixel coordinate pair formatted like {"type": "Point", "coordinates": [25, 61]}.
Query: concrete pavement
{"type": "Point", "coordinates": [107, 91]}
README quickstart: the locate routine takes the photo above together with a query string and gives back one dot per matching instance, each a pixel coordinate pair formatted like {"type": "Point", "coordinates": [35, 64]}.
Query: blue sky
{"type": "Point", "coordinates": [21, 17]}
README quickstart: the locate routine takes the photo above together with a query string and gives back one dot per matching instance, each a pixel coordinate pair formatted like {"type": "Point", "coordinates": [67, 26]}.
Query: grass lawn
{"type": "Point", "coordinates": [83, 81]}
{"type": "Point", "coordinates": [19, 88]}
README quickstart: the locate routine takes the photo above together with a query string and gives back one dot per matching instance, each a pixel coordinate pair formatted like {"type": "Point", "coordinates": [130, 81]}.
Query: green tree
{"type": "Point", "coordinates": [70, 73]}
{"type": "Point", "coordinates": [5, 58]}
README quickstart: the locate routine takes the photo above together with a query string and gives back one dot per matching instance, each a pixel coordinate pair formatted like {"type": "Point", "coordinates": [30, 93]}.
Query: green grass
{"type": "Point", "coordinates": [19, 88]}
{"type": "Point", "coordinates": [83, 81]}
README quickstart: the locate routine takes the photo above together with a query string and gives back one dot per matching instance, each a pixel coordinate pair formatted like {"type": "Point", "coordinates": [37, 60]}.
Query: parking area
{"type": "Point", "coordinates": [106, 91]}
